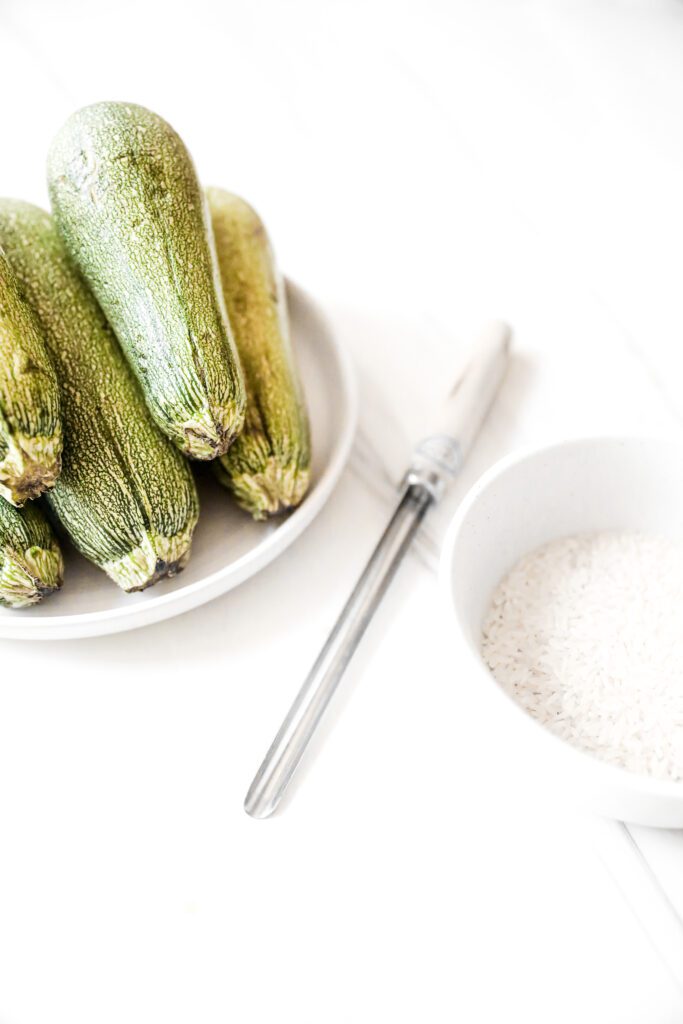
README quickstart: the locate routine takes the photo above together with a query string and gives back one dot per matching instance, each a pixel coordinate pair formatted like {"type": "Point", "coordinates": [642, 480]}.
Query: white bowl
{"type": "Point", "coordinates": [521, 503]}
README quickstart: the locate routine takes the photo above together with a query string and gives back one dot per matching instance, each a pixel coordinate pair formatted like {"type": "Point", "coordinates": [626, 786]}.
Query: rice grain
{"type": "Point", "coordinates": [586, 633]}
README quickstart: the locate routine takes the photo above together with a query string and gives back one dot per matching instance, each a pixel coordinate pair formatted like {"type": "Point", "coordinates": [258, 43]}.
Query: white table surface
{"type": "Point", "coordinates": [422, 167]}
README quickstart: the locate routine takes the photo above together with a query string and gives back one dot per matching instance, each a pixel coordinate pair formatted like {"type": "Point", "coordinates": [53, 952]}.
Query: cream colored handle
{"type": "Point", "coordinates": [464, 411]}
{"type": "Point", "coordinates": [437, 458]}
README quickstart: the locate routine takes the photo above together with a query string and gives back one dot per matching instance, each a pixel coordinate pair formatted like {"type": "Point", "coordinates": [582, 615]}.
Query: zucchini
{"type": "Point", "coordinates": [30, 423]}
{"type": "Point", "coordinates": [268, 466]}
{"type": "Point", "coordinates": [133, 217]}
{"type": "Point", "coordinates": [30, 560]}
{"type": "Point", "coordinates": [125, 495]}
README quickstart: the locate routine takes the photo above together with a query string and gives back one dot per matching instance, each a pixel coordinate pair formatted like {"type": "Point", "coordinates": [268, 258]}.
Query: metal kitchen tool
{"type": "Point", "coordinates": [435, 464]}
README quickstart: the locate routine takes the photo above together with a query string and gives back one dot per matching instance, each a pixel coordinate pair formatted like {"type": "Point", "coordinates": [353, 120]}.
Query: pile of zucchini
{"type": "Point", "coordinates": [142, 325]}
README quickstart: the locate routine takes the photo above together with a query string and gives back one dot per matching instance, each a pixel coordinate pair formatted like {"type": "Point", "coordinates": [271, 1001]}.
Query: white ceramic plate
{"type": "Point", "coordinates": [228, 546]}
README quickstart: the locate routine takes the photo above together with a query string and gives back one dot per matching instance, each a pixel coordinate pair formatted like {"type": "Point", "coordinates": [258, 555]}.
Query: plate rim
{"type": "Point", "coordinates": [163, 606]}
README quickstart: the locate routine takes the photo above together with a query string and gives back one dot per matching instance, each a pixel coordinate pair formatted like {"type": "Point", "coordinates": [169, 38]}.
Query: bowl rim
{"type": "Point", "coordinates": [575, 760]}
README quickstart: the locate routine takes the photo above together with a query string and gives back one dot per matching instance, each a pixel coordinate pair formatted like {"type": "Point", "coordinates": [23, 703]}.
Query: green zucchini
{"type": "Point", "coordinates": [133, 217]}
{"type": "Point", "coordinates": [268, 466]}
{"type": "Point", "coordinates": [30, 560]}
{"type": "Point", "coordinates": [30, 422]}
{"type": "Point", "coordinates": [125, 495]}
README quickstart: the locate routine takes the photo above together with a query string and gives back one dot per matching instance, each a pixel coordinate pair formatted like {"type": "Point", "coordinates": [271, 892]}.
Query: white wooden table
{"type": "Point", "coordinates": [421, 167]}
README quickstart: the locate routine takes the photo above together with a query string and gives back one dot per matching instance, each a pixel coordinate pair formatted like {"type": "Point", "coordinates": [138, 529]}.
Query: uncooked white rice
{"type": "Point", "coordinates": [586, 633]}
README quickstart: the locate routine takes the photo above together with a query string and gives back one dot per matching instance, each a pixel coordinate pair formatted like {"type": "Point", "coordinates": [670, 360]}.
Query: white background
{"type": "Point", "coordinates": [421, 167]}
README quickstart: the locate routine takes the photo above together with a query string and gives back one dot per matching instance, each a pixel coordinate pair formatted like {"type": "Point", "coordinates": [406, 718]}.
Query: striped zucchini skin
{"type": "Point", "coordinates": [125, 495]}
{"type": "Point", "coordinates": [30, 421]}
{"type": "Point", "coordinates": [31, 565]}
{"type": "Point", "coordinates": [268, 466]}
{"type": "Point", "coordinates": [127, 201]}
